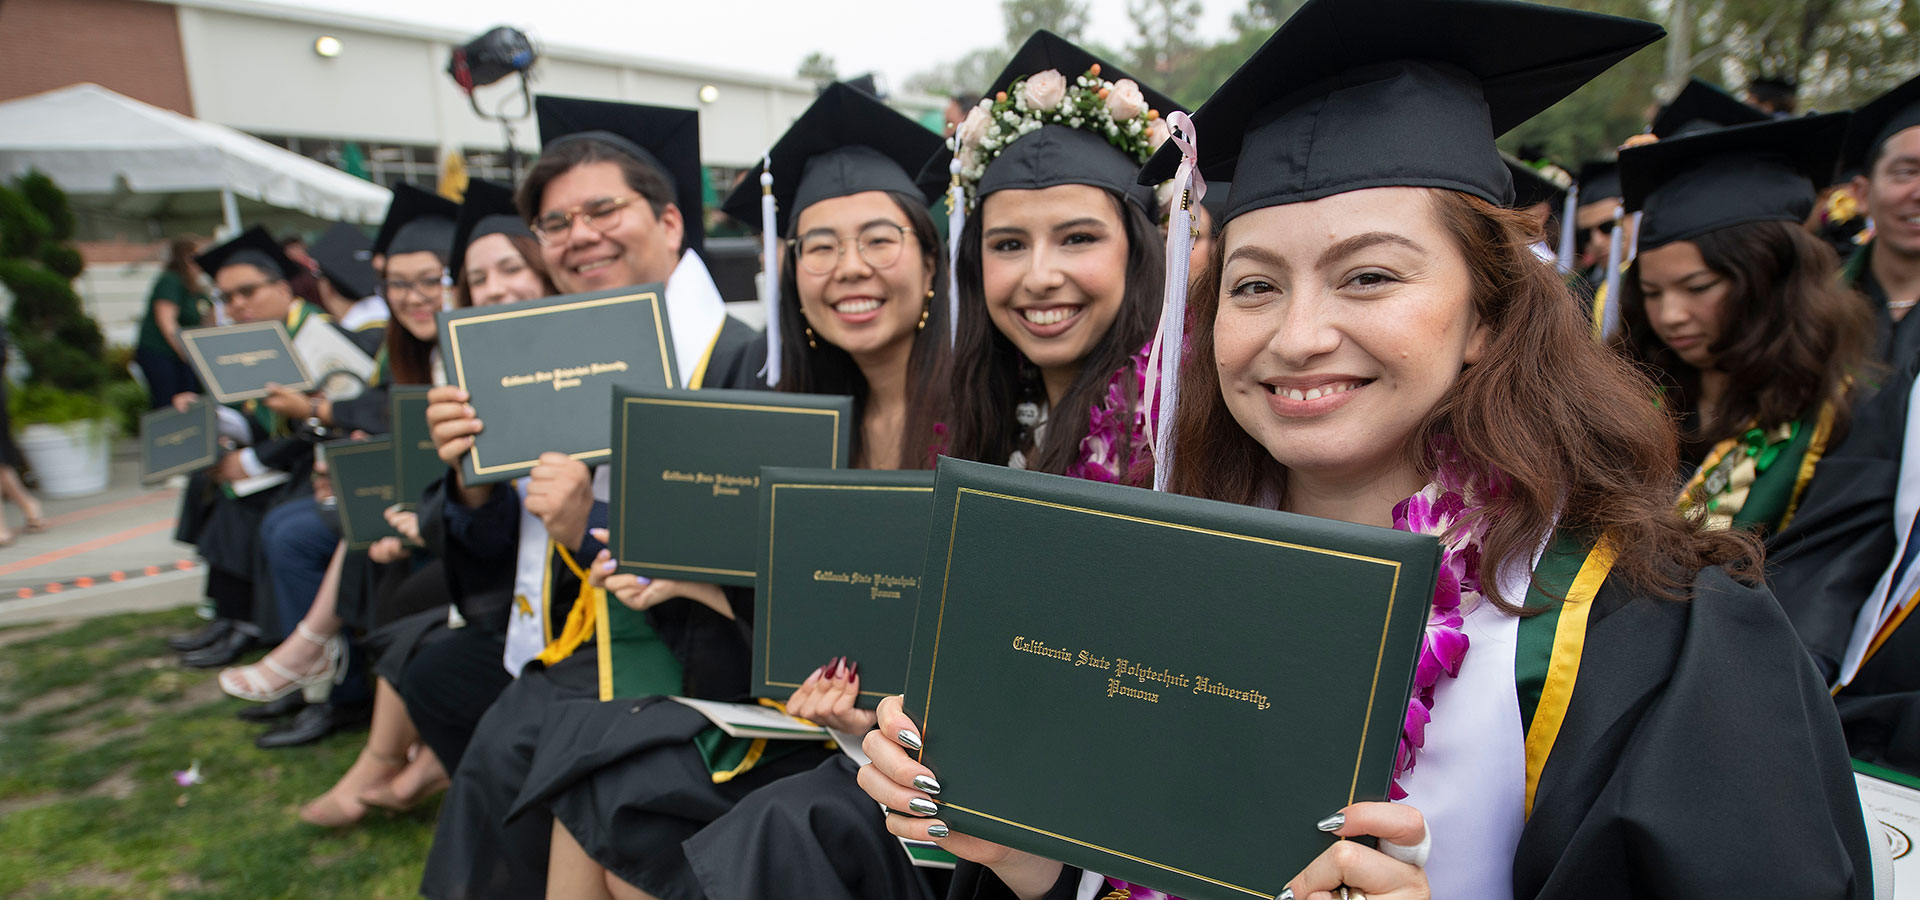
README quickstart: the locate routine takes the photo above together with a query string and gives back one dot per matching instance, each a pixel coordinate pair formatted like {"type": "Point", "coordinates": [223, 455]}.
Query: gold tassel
{"type": "Point", "coordinates": [580, 619]}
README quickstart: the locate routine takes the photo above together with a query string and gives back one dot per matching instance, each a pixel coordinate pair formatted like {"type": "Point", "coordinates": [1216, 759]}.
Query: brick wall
{"type": "Point", "coordinates": [128, 46]}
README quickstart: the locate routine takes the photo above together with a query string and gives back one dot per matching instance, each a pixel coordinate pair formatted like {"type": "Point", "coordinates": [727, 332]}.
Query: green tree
{"type": "Point", "coordinates": [1165, 42]}
{"type": "Point", "coordinates": [1066, 18]}
{"type": "Point", "coordinates": [819, 68]}
{"type": "Point", "coordinates": [62, 345]}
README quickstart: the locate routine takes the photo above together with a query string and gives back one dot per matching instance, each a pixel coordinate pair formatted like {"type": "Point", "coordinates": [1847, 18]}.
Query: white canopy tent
{"type": "Point", "coordinates": [92, 141]}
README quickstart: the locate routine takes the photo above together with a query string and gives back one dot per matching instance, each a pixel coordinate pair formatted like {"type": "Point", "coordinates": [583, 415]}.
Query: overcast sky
{"type": "Point", "coordinates": [770, 36]}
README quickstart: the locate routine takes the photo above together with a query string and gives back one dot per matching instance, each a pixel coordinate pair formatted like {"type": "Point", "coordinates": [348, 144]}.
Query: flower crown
{"type": "Point", "coordinates": [1115, 110]}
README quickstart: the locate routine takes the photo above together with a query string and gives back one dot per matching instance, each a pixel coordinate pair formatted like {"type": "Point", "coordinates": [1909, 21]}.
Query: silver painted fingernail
{"type": "Point", "coordinates": [1285, 894]}
{"type": "Point", "coordinates": [908, 739]}
{"type": "Point", "coordinates": [923, 806]}
{"type": "Point", "coordinates": [926, 783]}
{"type": "Point", "coordinates": [938, 831]}
{"type": "Point", "coordinates": [1333, 822]}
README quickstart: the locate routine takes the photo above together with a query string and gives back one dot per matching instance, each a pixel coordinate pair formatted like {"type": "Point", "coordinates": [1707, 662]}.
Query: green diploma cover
{"type": "Point", "coordinates": [686, 474]}
{"type": "Point", "coordinates": [362, 473]}
{"type": "Point", "coordinates": [1159, 688]}
{"type": "Point", "coordinates": [538, 373]}
{"type": "Point", "coordinates": [177, 443]}
{"type": "Point", "coordinates": [415, 464]}
{"type": "Point", "coordinates": [237, 362]}
{"type": "Point", "coordinates": [841, 551]}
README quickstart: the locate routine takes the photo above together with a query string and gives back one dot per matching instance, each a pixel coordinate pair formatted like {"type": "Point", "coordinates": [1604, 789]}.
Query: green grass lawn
{"type": "Point", "coordinates": [94, 719]}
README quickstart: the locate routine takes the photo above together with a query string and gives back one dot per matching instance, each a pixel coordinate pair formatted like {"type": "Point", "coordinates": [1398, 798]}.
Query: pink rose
{"type": "Point", "coordinates": [1124, 100]}
{"type": "Point", "coordinates": [1045, 90]}
{"type": "Point", "coordinates": [974, 126]}
{"type": "Point", "coordinates": [1157, 133]}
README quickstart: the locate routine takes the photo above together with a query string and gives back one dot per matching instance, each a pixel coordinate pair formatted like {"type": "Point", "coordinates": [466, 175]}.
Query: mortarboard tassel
{"type": "Point", "coordinates": [956, 221]}
{"type": "Point", "coordinates": [770, 268]}
{"type": "Point", "coordinates": [1610, 310]}
{"type": "Point", "coordinates": [1567, 228]}
{"type": "Point", "coordinates": [1163, 363]}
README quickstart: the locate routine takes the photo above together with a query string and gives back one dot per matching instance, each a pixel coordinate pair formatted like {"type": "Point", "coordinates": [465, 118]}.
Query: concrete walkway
{"type": "Point", "coordinates": [111, 552]}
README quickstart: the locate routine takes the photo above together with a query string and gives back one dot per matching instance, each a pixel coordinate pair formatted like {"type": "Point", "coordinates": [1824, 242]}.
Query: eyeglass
{"type": "Point", "coordinates": [243, 292]}
{"type": "Point", "coordinates": [600, 214]}
{"type": "Point", "coordinates": [425, 287]}
{"type": "Point", "coordinates": [878, 244]}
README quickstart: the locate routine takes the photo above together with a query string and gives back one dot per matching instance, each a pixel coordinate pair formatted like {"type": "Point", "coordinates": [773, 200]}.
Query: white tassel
{"type": "Point", "coordinates": [770, 272]}
{"type": "Point", "coordinates": [1610, 313]}
{"type": "Point", "coordinates": [956, 222]}
{"type": "Point", "coordinates": [1163, 362]}
{"type": "Point", "coordinates": [1567, 228]}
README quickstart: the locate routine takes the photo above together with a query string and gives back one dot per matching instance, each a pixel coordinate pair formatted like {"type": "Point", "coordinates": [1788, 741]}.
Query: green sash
{"type": "Point", "coordinates": [1546, 660]}
{"type": "Point", "coordinates": [1754, 481]}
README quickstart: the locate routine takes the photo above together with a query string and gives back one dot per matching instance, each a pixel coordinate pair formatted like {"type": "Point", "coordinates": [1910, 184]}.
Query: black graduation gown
{"type": "Point", "coordinates": [817, 828]}
{"type": "Point", "coordinates": [476, 852]}
{"type": "Point", "coordinates": [1699, 758]}
{"type": "Point", "coordinates": [1897, 342]}
{"type": "Point", "coordinates": [1827, 562]}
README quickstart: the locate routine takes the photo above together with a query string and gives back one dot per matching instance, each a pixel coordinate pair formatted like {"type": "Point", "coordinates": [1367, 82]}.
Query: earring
{"type": "Point", "coordinates": [810, 342]}
{"type": "Point", "coordinates": [925, 311]}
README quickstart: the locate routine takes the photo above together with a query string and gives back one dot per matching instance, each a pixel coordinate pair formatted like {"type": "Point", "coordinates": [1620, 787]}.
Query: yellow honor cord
{"type": "Point", "coordinates": [580, 619]}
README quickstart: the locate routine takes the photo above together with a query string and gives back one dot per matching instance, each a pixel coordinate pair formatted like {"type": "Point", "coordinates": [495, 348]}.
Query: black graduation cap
{"type": "Point", "coordinates": [1054, 155]}
{"type": "Point", "coordinates": [1532, 185]}
{"type": "Point", "coordinates": [845, 143]}
{"type": "Point", "coordinates": [1878, 120]}
{"type": "Point", "coordinates": [1765, 172]}
{"type": "Point", "coordinates": [1703, 107]}
{"type": "Point", "coordinates": [1215, 201]}
{"type": "Point", "coordinates": [418, 220]}
{"type": "Point", "coordinates": [486, 209]}
{"type": "Point", "coordinates": [665, 138]}
{"type": "Point", "coordinates": [1599, 180]}
{"type": "Point", "coordinates": [343, 253]}
{"type": "Point", "coordinates": [254, 247]}
{"type": "Point", "coordinates": [1401, 93]}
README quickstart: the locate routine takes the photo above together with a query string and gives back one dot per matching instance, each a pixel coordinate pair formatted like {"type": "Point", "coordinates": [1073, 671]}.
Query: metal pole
{"type": "Point", "coordinates": [229, 212]}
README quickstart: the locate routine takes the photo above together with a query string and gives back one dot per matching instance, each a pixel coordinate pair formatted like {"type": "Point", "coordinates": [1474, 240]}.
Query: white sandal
{"type": "Point", "coordinates": [248, 683]}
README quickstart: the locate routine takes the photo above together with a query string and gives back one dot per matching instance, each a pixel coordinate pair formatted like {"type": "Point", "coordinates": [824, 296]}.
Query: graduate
{"type": "Point", "coordinates": [614, 201]}
{"type": "Point", "coordinates": [1376, 343]}
{"type": "Point", "coordinates": [861, 311]}
{"type": "Point", "coordinates": [1599, 182]}
{"type": "Point", "coordinates": [1736, 310]}
{"type": "Point", "coordinates": [349, 287]}
{"type": "Point", "coordinates": [440, 668]}
{"type": "Point", "coordinates": [818, 828]}
{"type": "Point", "coordinates": [1700, 106]}
{"type": "Point", "coordinates": [1539, 190]}
{"type": "Point", "coordinates": [223, 506]}
{"type": "Point", "coordinates": [1884, 148]}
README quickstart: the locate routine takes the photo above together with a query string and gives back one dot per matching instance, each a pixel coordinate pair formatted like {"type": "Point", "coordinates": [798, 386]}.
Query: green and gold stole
{"type": "Point", "coordinates": [1546, 660]}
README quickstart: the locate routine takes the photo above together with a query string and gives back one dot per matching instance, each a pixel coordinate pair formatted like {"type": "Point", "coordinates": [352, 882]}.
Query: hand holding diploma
{"type": "Point", "coordinates": [901, 784]}
{"type": "Point", "coordinates": [639, 593]}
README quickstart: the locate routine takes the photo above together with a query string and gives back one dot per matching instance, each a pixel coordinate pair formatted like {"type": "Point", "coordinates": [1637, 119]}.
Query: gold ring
{"type": "Point", "coordinates": [1347, 893]}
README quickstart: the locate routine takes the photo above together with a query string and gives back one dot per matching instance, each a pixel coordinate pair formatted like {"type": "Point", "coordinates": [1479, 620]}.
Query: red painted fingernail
{"type": "Point", "coordinates": [854, 672]}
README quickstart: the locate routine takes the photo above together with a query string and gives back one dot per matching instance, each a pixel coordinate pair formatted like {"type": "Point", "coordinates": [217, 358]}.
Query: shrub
{"type": "Point", "coordinates": [62, 346]}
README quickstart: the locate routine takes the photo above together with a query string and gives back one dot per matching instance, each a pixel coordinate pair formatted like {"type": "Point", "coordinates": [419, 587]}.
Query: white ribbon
{"type": "Point", "coordinates": [956, 222]}
{"type": "Point", "coordinates": [1568, 218]}
{"type": "Point", "coordinates": [1610, 314]}
{"type": "Point", "coordinates": [770, 272]}
{"type": "Point", "coordinates": [1163, 361]}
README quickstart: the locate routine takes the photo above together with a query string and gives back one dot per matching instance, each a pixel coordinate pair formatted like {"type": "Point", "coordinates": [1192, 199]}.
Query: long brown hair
{"type": "Point", "coordinates": [1566, 428]}
{"type": "Point", "coordinates": [818, 367]}
{"type": "Point", "coordinates": [990, 378]}
{"type": "Point", "coordinates": [1791, 335]}
{"type": "Point", "coordinates": [180, 252]}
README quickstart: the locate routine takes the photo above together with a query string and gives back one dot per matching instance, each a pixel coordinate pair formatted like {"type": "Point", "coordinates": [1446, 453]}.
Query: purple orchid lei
{"type": "Point", "coordinates": [1121, 417]}
{"type": "Point", "coordinates": [1436, 510]}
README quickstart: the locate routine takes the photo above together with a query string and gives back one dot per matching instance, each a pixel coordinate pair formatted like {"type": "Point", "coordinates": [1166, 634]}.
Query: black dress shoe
{"type": "Point", "coordinates": [274, 711]}
{"type": "Point", "coordinates": [205, 637]}
{"type": "Point", "coordinates": [313, 723]}
{"type": "Point", "coordinates": [221, 652]}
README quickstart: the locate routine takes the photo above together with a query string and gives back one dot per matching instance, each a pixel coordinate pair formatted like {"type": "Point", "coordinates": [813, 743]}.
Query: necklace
{"type": "Point", "coordinates": [1437, 510]}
